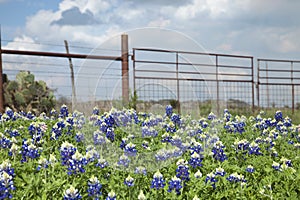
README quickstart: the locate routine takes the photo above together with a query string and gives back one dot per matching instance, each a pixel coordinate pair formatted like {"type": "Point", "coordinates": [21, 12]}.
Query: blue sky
{"type": "Point", "coordinates": [259, 28]}
{"type": "Point", "coordinates": [268, 28]}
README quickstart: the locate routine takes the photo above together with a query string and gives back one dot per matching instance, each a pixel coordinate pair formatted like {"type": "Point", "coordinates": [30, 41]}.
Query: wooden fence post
{"type": "Point", "coordinates": [125, 71]}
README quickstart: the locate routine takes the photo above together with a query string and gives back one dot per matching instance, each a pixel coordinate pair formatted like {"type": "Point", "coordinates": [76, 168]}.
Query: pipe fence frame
{"type": "Point", "coordinates": [180, 75]}
{"type": "Point", "coordinates": [123, 58]}
{"type": "Point", "coordinates": [276, 73]}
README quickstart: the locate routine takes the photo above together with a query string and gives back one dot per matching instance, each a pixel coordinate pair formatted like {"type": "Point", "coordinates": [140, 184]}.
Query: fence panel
{"type": "Point", "coordinates": [278, 83]}
{"type": "Point", "coordinates": [193, 81]}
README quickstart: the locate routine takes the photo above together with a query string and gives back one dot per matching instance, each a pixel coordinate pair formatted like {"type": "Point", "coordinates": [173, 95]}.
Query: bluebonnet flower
{"type": "Point", "coordinates": [149, 132]}
{"type": "Point", "coordinates": [111, 196]}
{"type": "Point", "coordinates": [170, 127]}
{"type": "Point", "coordinates": [6, 167]}
{"type": "Point", "coordinates": [123, 143]}
{"type": "Point", "coordinates": [254, 149]}
{"type": "Point", "coordinates": [5, 143]}
{"type": "Point", "coordinates": [166, 137]}
{"type": "Point", "coordinates": [183, 173]}
{"type": "Point", "coordinates": [102, 163]}
{"type": "Point", "coordinates": [91, 154]}
{"type": "Point", "coordinates": [211, 116]}
{"type": "Point", "coordinates": [162, 155]}
{"type": "Point", "coordinates": [76, 164]}
{"type": "Point", "coordinates": [195, 160]}
{"type": "Point", "coordinates": [72, 194]}
{"type": "Point", "coordinates": [241, 145]}
{"type": "Point", "coordinates": [129, 181]}
{"type": "Point", "coordinates": [276, 166]}
{"type": "Point", "coordinates": [235, 177]}
{"type": "Point", "coordinates": [94, 188]}
{"type": "Point", "coordinates": [57, 129]}
{"type": "Point", "coordinates": [79, 137]}
{"type": "Point", "coordinates": [99, 138]}
{"type": "Point", "coordinates": [9, 112]}
{"type": "Point", "coordinates": [220, 171]}
{"type": "Point", "coordinates": [211, 178]}
{"type": "Point", "coordinates": [198, 174]}
{"type": "Point", "coordinates": [53, 112]}
{"type": "Point", "coordinates": [96, 111]}
{"type": "Point", "coordinates": [218, 151]}
{"type": "Point", "coordinates": [43, 163]}
{"type": "Point", "coordinates": [196, 147]}
{"type": "Point", "coordinates": [6, 185]}
{"type": "Point", "coordinates": [278, 116]}
{"type": "Point", "coordinates": [130, 149]}
{"type": "Point", "coordinates": [110, 134]}
{"type": "Point", "coordinates": [203, 123]}
{"type": "Point", "coordinates": [140, 170]}
{"type": "Point", "coordinates": [175, 184]}
{"type": "Point", "coordinates": [124, 161]}
{"type": "Point", "coordinates": [176, 119]}
{"type": "Point", "coordinates": [63, 111]}
{"type": "Point", "coordinates": [29, 151]}
{"type": "Point", "coordinates": [145, 144]}
{"type": "Point", "coordinates": [67, 150]}
{"type": "Point", "coordinates": [176, 141]}
{"type": "Point", "coordinates": [14, 133]}
{"type": "Point", "coordinates": [227, 115]}
{"type": "Point", "coordinates": [158, 181]}
{"type": "Point", "coordinates": [169, 110]}
{"type": "Point", "coordinates": [14, 150]}
{"type": "Point", "coordinates": [250, 169]}
{"type": "Point", "coordinates": [287, 162]}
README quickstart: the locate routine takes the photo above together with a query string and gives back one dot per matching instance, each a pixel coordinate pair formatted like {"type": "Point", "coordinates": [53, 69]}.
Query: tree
{"type": "Point", "coordinates": [26, 94]}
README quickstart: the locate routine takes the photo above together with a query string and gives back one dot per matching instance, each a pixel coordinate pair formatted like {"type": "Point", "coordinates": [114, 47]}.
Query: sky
{"type": "Point", "coordinates": [259, 28]}
{"type": "Point", "coordinates": [267, 28]}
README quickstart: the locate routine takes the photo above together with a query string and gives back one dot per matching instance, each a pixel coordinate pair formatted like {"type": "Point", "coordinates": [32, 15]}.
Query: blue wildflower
{"type": "Point", "coordinates": [110, 134]}
{"type": "Point", "coordinates": [29, 151]}
{"type": "Point", "coordinates": [79, 137]}
{"type": "Point", "coordinates": [6, 185]}
{"type": "Point", "coordinates": [63, 111]}
{"type": "Point", "coordinates": [175, 184]}
{"type": "Point", "coordinates": [211, 178]}
{"type": "Point", "coordinates": [111, 196]}
{"type": "Point", "coordinates": [218, 151]}
{"type": "Point", "coordinates": [169, 110]}
{"type": "Point", "coordinates": [276, 166]}
{"type": "Point", "coordinates": [72, 194]}
{"type": "Point", "coordinates": [76, 164]}
{"type": "Point", "coordinates": [183, 173]}
{"type": "Point", "coordinates": [67, 150]}
{"type": "Point", "coordinates": [94, 188]}
{"type": "Point", "coordinates": [278, 116]}
{"type": "Point", "coordinates": [140, 170]}
{"type": "Point", "coordinates": [102, 163]}
{"type": "Point", "coordinates": [123, 161]}
{"type": "Point", "coordinates": [195, 160]}
{"type": "Point", "coordinates": [130, 149]}
{"type": "Point", "coordinates": [129, 181]}
{"type": "Point", "coordinates": [158, 181]}
{"type": "Point", "coordinates": [250, 169]}
{"type": "Point", "coordinates": [220, 171]}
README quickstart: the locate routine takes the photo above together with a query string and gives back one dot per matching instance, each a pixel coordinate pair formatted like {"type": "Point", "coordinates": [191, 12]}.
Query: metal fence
{"type": "Point", "coordinates": [193, 81]}
{"type": "Point", "coordinates": [278, 83]}
{"type": "Point", "coordinates": [190, 81]}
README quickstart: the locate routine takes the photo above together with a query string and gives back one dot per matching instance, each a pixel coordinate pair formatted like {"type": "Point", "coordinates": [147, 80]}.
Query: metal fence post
{"type": "Point", "coordinates": [125, 75]}
{"type": "Point", "coordinates": [177, 79]}
{"type": "Point", "coordinates": [1, 79]}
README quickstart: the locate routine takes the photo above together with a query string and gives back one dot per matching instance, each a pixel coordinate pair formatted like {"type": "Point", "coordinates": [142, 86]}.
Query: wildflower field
{"type": "Point", "coordinates": [123, 154]}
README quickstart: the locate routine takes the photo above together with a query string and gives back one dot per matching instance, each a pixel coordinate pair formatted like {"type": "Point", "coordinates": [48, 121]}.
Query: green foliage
{"type": "Point", "coordinates": [26, 94]}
